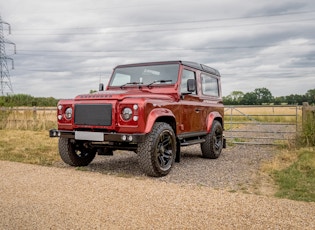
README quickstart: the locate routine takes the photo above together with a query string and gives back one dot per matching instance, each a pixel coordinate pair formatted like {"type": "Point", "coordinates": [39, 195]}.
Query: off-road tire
{"type": "Point", "coordinates": [157, 154]}
{"type": "Point", "coordinates": [213, 145]}
{"type": "Point", "coordinates": [74, 153]}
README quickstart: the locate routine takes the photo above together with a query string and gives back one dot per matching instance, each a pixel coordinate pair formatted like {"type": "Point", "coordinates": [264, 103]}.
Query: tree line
{"type": "Point", "coordinates": [27, 100]}
{"type": "Point", "coordinates": [261, 96]}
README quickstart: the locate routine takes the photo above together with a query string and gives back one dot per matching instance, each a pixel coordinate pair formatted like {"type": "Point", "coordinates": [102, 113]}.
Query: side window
{"type": "Point", "coordinates": [187, 74]}
{"type": "Point", "coordinates": [210, 85]}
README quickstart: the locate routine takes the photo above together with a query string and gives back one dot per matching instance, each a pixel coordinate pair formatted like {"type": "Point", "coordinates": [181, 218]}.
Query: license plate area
{"type": "Point", "coordinates": [89, 136]}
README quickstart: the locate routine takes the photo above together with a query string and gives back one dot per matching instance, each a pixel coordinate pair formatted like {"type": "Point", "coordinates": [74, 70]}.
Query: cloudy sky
{"type": "Point", "coordinates": [65, 48]}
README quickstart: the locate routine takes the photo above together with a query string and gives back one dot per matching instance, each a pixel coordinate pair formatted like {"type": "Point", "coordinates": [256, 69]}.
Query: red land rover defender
{"type": "Point", "coordinates": [150, 108]}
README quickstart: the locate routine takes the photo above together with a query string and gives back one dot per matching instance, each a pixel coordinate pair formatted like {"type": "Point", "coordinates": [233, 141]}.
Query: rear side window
{"type": "Point", "coordinates": [209, 85]}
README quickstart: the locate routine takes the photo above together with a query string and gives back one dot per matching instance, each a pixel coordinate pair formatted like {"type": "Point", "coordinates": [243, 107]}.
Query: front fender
{"type": "Point", "coordinates": [156, 114]}
{"type": "Point", "coordinates": [211, 117]}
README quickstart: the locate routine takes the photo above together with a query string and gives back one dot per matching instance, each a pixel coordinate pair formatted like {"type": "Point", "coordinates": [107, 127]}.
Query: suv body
{"type": "Point", "coordinates": [150, 108]}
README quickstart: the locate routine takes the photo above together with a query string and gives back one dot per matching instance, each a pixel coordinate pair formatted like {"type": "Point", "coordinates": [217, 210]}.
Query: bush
{"type": "Point", "coordinates": [307, 136]}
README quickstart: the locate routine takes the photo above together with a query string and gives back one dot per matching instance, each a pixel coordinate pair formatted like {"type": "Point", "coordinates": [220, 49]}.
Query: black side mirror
{"type": "Point", "coordinates": [101, 87]}
{"type": "Point", "coordinates": [191, 85]}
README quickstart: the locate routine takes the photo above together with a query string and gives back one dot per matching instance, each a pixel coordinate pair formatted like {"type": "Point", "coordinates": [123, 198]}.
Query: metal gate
{"type": "Point", "coordinates": [261, 125]}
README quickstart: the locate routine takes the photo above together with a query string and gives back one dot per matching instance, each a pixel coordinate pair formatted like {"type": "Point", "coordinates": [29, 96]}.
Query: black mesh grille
{"type": "Point", "coordinates": [93, 114]}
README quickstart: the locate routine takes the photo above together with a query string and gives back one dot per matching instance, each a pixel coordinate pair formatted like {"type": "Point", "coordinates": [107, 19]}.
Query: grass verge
{"type": "Point", "coordinates": [34, 147]}
{"type": "Point", "coordinates": [294, 174]}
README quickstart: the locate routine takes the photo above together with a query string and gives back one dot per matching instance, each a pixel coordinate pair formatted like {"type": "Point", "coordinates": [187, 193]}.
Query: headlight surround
{"type": "Point", "coordinates": [126, 113]}
{"type": "Point", "coordinates": [68, 113]}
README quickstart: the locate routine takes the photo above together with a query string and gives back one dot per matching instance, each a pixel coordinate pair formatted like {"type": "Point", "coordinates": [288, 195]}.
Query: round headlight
{"type": "Point", "coordinates": [126, 114]}
{"type": "Point", "coordinates": [68, 113]}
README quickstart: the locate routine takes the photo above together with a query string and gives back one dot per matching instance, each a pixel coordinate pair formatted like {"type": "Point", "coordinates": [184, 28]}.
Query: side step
{"type": "Point", "coordinates": [192, 142]}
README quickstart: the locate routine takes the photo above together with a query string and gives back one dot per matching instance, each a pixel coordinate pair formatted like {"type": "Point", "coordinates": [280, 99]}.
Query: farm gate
{"type": "Point", "coordinates": [262, 125]}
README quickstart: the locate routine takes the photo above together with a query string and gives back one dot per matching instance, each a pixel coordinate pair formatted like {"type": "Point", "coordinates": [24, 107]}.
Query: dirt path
{"type": "Point", "coordinates": [36, 197]}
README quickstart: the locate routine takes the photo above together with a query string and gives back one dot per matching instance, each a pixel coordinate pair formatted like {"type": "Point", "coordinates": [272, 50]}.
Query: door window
{"type": "Point", "coordinates": [187, 74]}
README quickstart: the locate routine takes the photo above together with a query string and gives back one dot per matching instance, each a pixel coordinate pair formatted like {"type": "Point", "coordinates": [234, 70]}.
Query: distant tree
{"type": "Point", "coordinates": [263, 95]}
{"type": "Point", "coordinates": [26, 100]}
{"type": "Point", "coordinates": [93, 91]}
{"type": "Point", "coordinates": [310, 96]}
{"type": "Point", "coordinates": [279, 100]}
{"type": "Point", "coordinates": [249, 99]}
{"type": "Point", "coordinates": [233, 98]}
{"type": "Point", "coordinates": [295, 99]}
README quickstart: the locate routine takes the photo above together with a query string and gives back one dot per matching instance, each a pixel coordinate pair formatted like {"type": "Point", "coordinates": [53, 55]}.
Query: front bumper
{"type": "Point", "coordinates": [98, 136]}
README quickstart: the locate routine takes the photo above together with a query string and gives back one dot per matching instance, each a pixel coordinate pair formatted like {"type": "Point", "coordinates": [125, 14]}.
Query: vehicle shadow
{"type": "Point", "coordinates": [125, 163]}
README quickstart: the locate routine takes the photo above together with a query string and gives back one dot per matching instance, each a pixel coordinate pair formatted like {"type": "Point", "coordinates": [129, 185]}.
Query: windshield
{"type": "Point", "coordinates": [145, 75]}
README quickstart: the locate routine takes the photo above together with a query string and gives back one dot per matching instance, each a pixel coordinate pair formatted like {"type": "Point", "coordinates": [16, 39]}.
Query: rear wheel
{"type": "Point", "coordinates": [75, 153]}
{"type": "Point", "coordinates": [157, 154]}
{"type": "Point", "coordinates": [213, 145]}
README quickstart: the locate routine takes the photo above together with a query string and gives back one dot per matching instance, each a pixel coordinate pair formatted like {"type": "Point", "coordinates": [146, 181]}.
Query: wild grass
{"type": "Point", "coordinates": [27, 118]}
{"type": "Point", "coordinates": [297, 181]}
{"type": "Point", "coordinates": [34, 147]}
{"type": "Point", "coordinates": [293, 171]}
{"type": "Point", "coordinates": [307, 135]}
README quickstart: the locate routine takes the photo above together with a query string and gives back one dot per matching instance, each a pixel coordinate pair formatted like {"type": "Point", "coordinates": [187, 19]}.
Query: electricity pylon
{"type": "Point", "coordinates": [5, 81]}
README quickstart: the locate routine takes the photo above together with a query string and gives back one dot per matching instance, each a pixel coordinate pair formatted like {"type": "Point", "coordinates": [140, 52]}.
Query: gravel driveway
{"type": "Point", "coordinates": [36, 197]}
{"type": "Point", "coordinates": [236, 168]}
{"type": "Point", "coordinates": [113, 193]}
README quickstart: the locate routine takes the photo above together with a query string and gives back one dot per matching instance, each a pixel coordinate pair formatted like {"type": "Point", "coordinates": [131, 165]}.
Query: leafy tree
{"type": "Point", "coordinates": [234, 98]}
{"type": "Point", "coordinates": [26, 100]}
{"type": "Point", "coordinates": [263, 95]}
{"type": "Point", "coordinates": [310, 96]}
{"type": "Point", "coordinates": [249, 99]}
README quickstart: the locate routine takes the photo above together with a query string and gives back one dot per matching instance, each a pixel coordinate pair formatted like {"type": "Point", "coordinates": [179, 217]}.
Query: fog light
{"type": "Point", "coordinates": [130, 138]}
{"type": "Point", "coordinates": [123, 138]}
{"type": "Point", "coordinates": [135, 118]}
{"type": "Point", "coordinates": [135, 107]}
{"type": "Point", "coordinates": [59, 107]}
{"type": "Point", "coordinates": [59, 117]}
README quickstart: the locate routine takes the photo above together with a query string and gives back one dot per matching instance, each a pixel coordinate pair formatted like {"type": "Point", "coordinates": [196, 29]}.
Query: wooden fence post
{"type": "Point", "coordinates": [304, 112]}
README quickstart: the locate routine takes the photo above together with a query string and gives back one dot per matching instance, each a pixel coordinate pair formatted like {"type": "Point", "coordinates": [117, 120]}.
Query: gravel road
{"type": "Point", "coordinates": [196, 195]}
{"type": "Point", "coordinates": [236, 168]}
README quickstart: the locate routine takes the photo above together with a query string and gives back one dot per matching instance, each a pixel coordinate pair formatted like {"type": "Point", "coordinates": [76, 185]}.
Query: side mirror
{"type": "Point", "coordinates": [101, 87]}
{"type": "Point", "coordinates": [191, 85]}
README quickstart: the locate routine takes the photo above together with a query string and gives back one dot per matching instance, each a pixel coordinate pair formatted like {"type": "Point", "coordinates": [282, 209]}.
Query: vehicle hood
{"type": "Point", "coordinates": [121, 95]}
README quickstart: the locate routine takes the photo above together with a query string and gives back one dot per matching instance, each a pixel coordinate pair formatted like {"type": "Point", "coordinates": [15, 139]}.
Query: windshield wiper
{"type": "Point", "coordinates": [131, 83]}
{"type": "Point", "coordinates": [157, 81]}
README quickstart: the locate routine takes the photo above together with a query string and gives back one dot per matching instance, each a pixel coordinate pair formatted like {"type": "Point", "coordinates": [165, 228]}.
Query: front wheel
{"type": "Point", "coordinates": [75, 153]}
{"type": "Point", "coordinates": [157, 154]}
{"type": "Point", "coordinates": [213, 145]}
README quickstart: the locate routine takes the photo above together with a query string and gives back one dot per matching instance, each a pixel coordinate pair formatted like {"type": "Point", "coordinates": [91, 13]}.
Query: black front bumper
{"type": "Point", "coordinates": [98, 136]}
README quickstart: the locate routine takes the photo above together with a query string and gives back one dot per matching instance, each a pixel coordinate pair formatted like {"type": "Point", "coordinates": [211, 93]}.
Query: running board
{"type": "Point", "coordinates": [192, 142]}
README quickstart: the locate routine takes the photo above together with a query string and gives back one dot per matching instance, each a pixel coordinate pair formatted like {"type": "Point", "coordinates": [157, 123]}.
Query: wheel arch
{"type": "Point", "coordinates": [160, 115]}
{"type": "Point", "coordinates": [212, 117]}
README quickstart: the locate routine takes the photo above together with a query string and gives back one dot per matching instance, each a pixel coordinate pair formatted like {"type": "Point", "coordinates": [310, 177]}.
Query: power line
{"type": "Point", "coordinates": [180, 22]}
